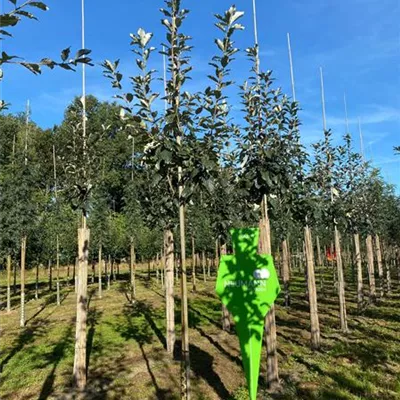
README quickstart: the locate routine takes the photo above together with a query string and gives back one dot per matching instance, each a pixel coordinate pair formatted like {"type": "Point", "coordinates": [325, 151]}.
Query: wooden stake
{"type": "Point", "coordinates": [23, 258]}
{"type": "Point", "coordinates": [81, 314]}
{"type": "Point", "coordinates": [58, 270]}
{"type": "Point", "coordinates": [193, 265]}
{"type": "Point", "coordinates": [132, 270]}
{"type": "Point", "coordinates": [8, 283]}
{"type": "Point", "coordinates": [270, 324]}
{"type": "Point", "coordinates": [100, 271]}
{"type": "Point", "coordinates": [360, 294]}
{"type": "Point", "coordinates": [203, 264]}
{"type": "Point", "coordinates": [371, 269]}
{"type": "Point", "coordinates": [169, 289]}
{"type": "Point", "coordinates": [226, 321]}
{"type": "Point", "coordinates": [312, 290]}
{"type": "Point", "coordinates": [285, 272]}
{"type": "Point", "coordinates": [379, 262]}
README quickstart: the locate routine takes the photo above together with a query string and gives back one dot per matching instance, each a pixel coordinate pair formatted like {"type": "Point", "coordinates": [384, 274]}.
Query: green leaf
{"type": "Point", "coordinates": [144, 37]}
{"type": "Point", "coordinates": [39, 4]}
{"type": "Point", "coordinates": [35, 68]}
{"type": "Point", "coordinates": [5, 33]}
{"type": "Point", "coordinates": [220, 44]}
{"type": "Point", "coordinates": [65, 53]}
{"type": "Point", "coordinates": [82, 52]}
{"type": "Point", "coordinates": [8, 20]}
{"type": "Point", "coordinates": [26, 14]}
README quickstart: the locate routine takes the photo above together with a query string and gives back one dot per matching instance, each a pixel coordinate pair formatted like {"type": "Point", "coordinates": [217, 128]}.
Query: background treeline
{"type": "Point", "coordinates": [123, 204]}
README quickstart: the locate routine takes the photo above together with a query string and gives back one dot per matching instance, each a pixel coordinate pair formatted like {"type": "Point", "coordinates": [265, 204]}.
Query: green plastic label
{"type": "Point", "coordinates": [248, 285]}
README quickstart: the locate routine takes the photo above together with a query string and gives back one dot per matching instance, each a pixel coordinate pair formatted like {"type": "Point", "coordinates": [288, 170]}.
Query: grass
{"type": "Point", "coordinates": [127, 357]}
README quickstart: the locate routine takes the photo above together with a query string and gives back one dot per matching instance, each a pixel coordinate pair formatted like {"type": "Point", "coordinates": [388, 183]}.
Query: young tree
{"type": "Point", "coordinates": [264, 175]}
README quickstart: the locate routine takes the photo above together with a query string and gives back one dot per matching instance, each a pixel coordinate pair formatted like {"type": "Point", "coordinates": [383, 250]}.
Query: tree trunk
{"type": "Point", "coordinates": [216, 260]}
{"type": "Point", "coordinates": [169, 289]}
{"type": "Point", "coordinates": [93, 272]}
{"type": "Point", "coordinates": [379, 262]}
{"type": "Point", "coordinates": [388, 275]}
{"type": "Point", "coordinates": [100, 271]}
{"type": "Point", "coordinates": [37, 282]}
{"type": "Point", "coordinates": [335, 282]}
{"type": "Point", "coordinates": [226, 320]}
{"type": "Point", "coordinates": [307, 294]}
{"type": "Point", "coordinates": [185, 363]}
{"type": "Point", "coordinates": [109, 269]}
{"type": "Point", "coordinates": [8, 283]}
{"type": "Point", "coordinates": [371, 269]}
{"type": "Point", "coordinates": [157, 268]}
{"type": "Point", "coordinates": [132, 270]}
{"type": "Point", "coordinates": [162, 269]}
{"type": "Point", "coordinates": [50, 271]}
{"type": "Point", "coordinates": [23, 258]}
{"type": "Point", "coordinates": [193, 265]}
{"type": "Point", "coordinates": [15, 278]}
{"type": "Point", "coordinates": [341, 287]}
{"type": "Point", "coordinates": [81, 310]}
{"type": "Point", "coordinates": [208, 267]}
{"type": "Point", "coordinates": [114, 278]}
{"type": "Point", "coordinates": [319, 255]}
{"type": "Point", "coordinates": [360, 294]}
{"type": "Point", "coordinates": [312, 290]}
{"type": "Point", "coordinates": [270, 325]}
{"type": "Point", "coordinates": [76, 278]}
{"type": "Point", "coordinates": [58, 270]}
{"type": "Point", "coordinates": [286, 272]}
{"type": "Point", "coordinates": [320, 266]}
{"type": "Point", "coordinates": [177, 268]}
{"type": "Point", "coordinates": [203, 264]}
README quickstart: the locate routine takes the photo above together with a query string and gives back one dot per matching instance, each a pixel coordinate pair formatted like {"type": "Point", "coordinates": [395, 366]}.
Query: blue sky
{"type": "Point", "coordinates": [357, 42]}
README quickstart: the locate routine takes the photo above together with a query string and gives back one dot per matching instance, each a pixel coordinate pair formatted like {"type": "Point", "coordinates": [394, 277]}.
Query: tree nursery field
{"type": "Point", "coordinates": [127, 346]}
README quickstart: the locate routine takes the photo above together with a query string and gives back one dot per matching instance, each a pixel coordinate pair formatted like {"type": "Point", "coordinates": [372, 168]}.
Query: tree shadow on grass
{"type": "Point", "coordinates": [381, 314]}
{"type": "Point", "coordinates": [141, 327]}
{"type": "Point", "coordinates": [221, 349]}
{"type": "Point", "coordinates": [196, 315]}
{"type": "Point", "coordinates": [26, 336]}
{"type": "Point", "coordinates": [54, 358]}
{"type": "Point", "coordinates": [201, 363]}
{"type": "Point", "coordinates": [92, 321]}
